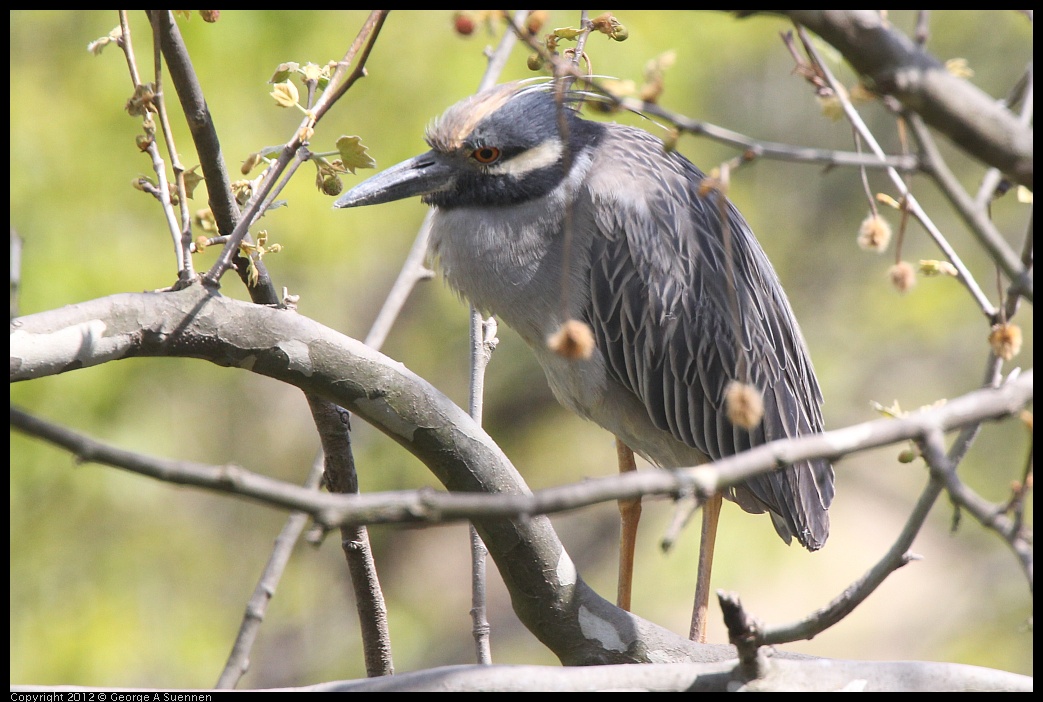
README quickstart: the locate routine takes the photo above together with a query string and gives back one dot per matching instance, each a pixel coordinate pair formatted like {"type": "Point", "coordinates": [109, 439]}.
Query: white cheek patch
{"type": "Point", "coordinates": [546, 154]}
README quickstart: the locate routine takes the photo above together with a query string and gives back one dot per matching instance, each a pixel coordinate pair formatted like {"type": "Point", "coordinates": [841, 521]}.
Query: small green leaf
{"type": "Point", "coordinates": [570, 33]}
{"type": "Point", "coordinates": [192, 179]}
{"type": "Point", "coordinates": [353, 153]}
{"type": "Point", "coordinates": [283, 72]}
{"type": "Point", "coordinates": [285, 94]}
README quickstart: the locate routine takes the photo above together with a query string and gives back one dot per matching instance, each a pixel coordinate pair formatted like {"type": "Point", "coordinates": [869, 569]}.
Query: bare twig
{"type": "Point", "coordinates": [856, 593]}
{"type": "Point", "coordinates": [428, 506]}
{"type": "Point", "coordinates": [483, 341]}
{"type": "Point", "coordinates": [973, 216]}
{"type": "Point", "coordinates": [334, 429]}
{"type": "Point", "coordinates": [339, 84]}
{"type": "Point", "coordinates": [208, 149]}
{"type": "Point", "coordinates": [1021, 93]}
{"type": "Point", "coordinates": [412, 272]}
{"type": "Point", "coordinates": [890, 63]}
{"type": "Point", "coordinates": [911, 204]}
{"type": "Point", "coordinates": [238, 662]}
{"type": "Point", "coordinates": [182, 245]}
{"type": "Point", "coordinates": [943, 474]}
{"type": "Point", "coordinates": [751, 148]}
{"type": "Point", "coordinates": [152, 104]}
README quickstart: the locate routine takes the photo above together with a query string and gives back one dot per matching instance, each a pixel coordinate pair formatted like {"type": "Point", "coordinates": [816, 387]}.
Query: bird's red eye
{"type": "Point", "coordinates": [486, 155]}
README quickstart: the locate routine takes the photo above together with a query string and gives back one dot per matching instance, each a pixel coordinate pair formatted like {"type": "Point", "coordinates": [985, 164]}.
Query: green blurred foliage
{"type": "Point", "coordinates": [120, 580]}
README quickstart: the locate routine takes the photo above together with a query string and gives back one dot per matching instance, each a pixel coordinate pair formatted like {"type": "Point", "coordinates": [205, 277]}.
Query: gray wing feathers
{"type": "Point", "coordinates": [663, 315]}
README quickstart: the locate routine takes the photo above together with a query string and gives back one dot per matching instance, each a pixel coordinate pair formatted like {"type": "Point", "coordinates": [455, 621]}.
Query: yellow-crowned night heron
{"type": "Point", "coordinates": [542, 216]}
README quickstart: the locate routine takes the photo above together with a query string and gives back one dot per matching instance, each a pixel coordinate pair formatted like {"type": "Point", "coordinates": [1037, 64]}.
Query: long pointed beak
{"type": "Point", "coordinates": [421, 175]}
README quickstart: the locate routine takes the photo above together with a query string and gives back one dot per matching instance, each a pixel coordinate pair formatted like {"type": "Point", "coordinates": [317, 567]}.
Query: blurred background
{"type": "Point", "coordinates": [119, 580]}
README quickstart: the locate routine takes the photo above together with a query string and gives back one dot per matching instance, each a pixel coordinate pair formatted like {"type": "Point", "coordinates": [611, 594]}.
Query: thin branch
{"type": "Point", "coordinates": [183, 238]}
{"type": "Point", "coordinates": [412, 272]}
{"type": "Point", "coordinates": [897, 555]}
{"type": "Point", "coordinates": [338, 85]}
{"type": "Point", "coordinates": [238, 662]}
{"type": "Point", "coordinates": [991, 516]}
{"type": "Point", "coordinates": [128, 48]}
{"type": "Point", "coordinates": [756, 148]}
{"type": "Point", "coordinates": [980, 405]}
{"type": "Point", "coordinates": [911, 204]}
{"type": "Point", "coordinates": [334, 429]}
{"type": "Point", "coordinates": [208, 149]}
{"type": "Point", "coordinates": [222, 479]}
{"type": "Point", "coordinates": [890, 63]}
{"type": "Point", "coordinates": [1023, 93]}
{"type": "Point", "coordinates": [482, 334]}
{"type": "Point", "coordinates": [750, 147]}
{"type": "Point", "coordinates": [149, 105]}
{"type": "Point", "coordinates": [483, 341]}
{"type": "Point", "coordinates": [1027, 256]}
{"type": "Point", "coordinates": [974, 217]}
{"type": "Point", "coordinates": [341, 81]}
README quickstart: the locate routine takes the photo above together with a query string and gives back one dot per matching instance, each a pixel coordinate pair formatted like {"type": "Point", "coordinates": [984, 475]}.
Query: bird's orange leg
{"type": "Point", "coordinates": [629, 515]}
{"type": "Point", "coordinates": [711, 512]}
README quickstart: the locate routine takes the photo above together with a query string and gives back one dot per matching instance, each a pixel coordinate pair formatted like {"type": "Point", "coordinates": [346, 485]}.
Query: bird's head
{"type": "Point", "coordinates": [500, 147]}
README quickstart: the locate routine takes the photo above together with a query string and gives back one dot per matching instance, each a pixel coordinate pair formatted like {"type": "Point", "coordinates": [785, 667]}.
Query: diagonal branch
{"type": "Point", "coordinates": [239, 659]}
{"type": "Point", "coordinates": [297, 350]}
{"type": "Point", "coordinates": [280, 344]}
{"type": "Point", "coordinates": [549, 596]}
{"type": "Point", "coordinates": [208, 146]}
{"type": "Point", "coordinates": [892, 64]}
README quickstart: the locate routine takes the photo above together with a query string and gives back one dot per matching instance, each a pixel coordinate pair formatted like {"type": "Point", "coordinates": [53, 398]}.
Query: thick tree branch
{"type": "Point", "coordinates": [781, 675]}
{"type": "Point", "coordinates": [548, 595]}
{"type": "Point", "coordinates": [892, 64]}
{"type": "Point", "coordinates": [286, 346]}
{"type": "Point", "coordinates": [295, 349]}
{"type": "Point", "coordinates": [334, 427]}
